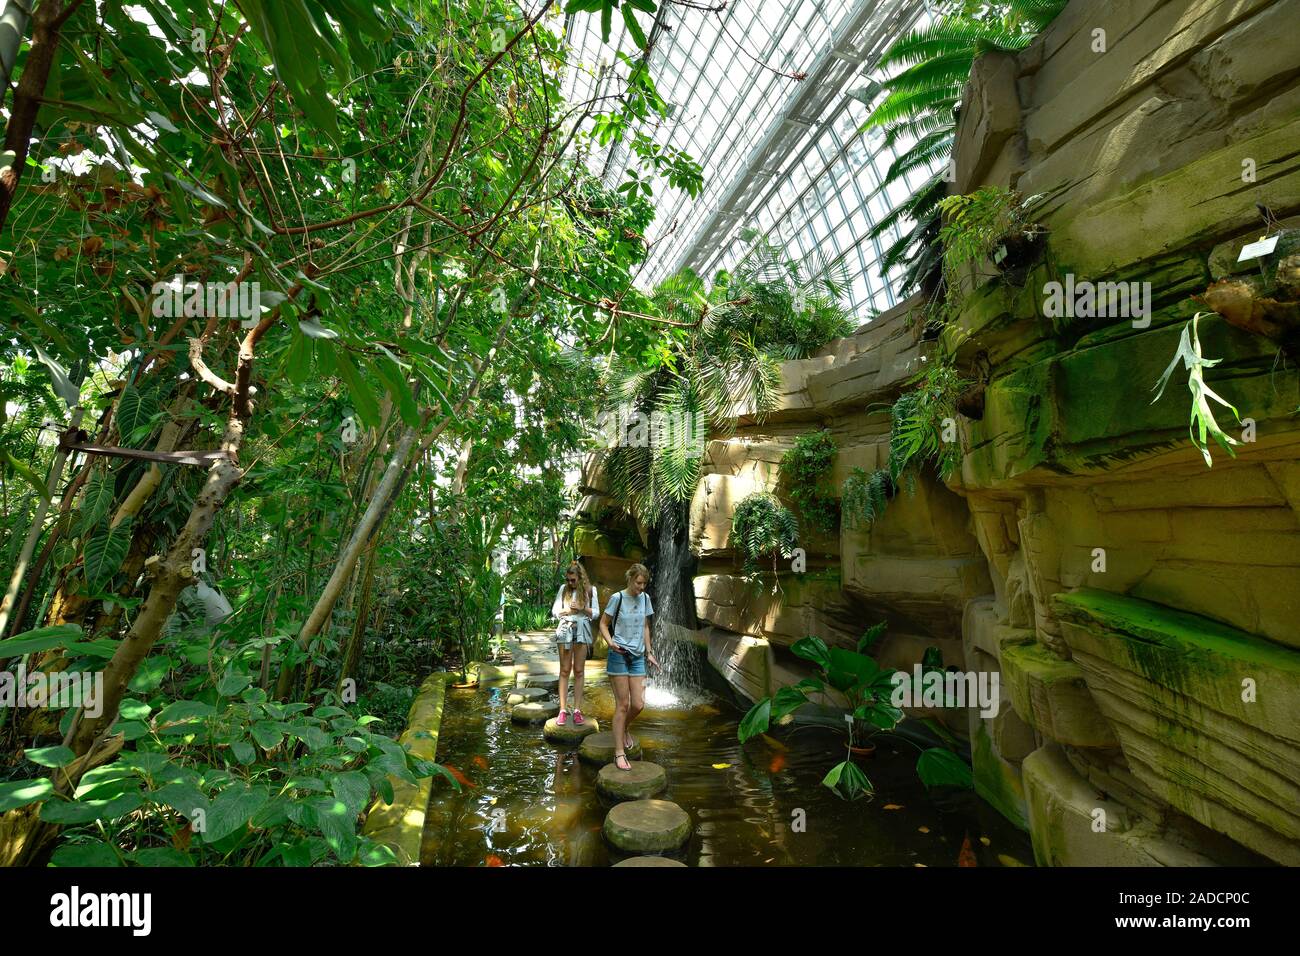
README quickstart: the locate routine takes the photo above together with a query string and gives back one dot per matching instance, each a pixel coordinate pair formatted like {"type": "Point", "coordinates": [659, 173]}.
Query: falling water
{"type": "Point", "coordinates": [673, 592]}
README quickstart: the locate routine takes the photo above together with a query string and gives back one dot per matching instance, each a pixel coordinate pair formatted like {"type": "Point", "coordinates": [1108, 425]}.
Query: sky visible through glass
{"type": "Point", "coordinates": [780, 156]}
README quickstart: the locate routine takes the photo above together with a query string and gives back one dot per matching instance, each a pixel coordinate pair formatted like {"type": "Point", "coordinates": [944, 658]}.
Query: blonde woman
{"type": "Point", "coordinates": [575, 606]}
{"type": "Point", "coordinates": [625, 625]}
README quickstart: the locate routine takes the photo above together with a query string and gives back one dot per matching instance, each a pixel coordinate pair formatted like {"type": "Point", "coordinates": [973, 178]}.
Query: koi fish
{"type": "Point", "coordinates": [460, 777]}
{"type": "Point", "coordinates": [777, 763]}
{"type": "Point", "coordinates": [479, 761]}
{"type": "Point", "coordinates": [967, 855]}
{"type": "Point", "coordinates": [494, 860]}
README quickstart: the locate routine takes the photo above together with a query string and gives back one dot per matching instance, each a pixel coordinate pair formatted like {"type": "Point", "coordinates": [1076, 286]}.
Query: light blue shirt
{"type": "Point", "coordinates": [629, 630]}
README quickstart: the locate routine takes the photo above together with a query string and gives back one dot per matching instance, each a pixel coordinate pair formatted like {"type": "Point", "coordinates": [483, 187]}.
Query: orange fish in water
{"type": "Point", "coordinates": [967, 855]}
{"type": "Point", "coordinates": [479, 761]}
{"type": "Point", "coordinates": [460, 777]}
{"type": "Point", "coordinates": [777, 764]}
{"type": "Point", "coordinates": [494, 860]}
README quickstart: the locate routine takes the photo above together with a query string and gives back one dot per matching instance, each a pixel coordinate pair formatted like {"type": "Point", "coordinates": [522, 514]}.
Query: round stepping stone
{"type": "Point", "coordinates": [569, 732]}
{"type": "Point", "coordinates": [598, 749]}
{"type": "Point", "coordinates": [650, 861]}
{"type": "Point", "coordinates": [534, 712]}
{"type": "Point", "coordinates": [522, 695]}
{"type": "Point", "coordinates": [643, 780]}
{"type": "Point", "coordinates": [647, 826]}
{"type": "Point", "coordinates": [544, 681]}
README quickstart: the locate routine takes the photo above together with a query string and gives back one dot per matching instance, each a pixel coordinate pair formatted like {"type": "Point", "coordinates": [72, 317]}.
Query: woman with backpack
{"type": "Point", "coordinates": [625, 625]}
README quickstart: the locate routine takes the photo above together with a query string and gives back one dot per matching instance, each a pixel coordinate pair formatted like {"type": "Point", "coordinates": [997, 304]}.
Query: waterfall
{"type": "Point", "coordinates": [673, 591]}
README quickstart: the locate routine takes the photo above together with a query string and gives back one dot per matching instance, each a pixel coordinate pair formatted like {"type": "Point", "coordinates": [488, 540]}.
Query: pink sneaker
{"type": "Point", "coordinates": [563, 716]}
{"type": "Point", "coordinates": [577, 717]}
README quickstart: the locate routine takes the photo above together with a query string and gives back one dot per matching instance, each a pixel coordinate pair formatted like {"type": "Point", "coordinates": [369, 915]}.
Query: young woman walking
{"type": "Point", "coordinates": [625, 625]}
{"type": "Point", "coordinates": [575, 606]}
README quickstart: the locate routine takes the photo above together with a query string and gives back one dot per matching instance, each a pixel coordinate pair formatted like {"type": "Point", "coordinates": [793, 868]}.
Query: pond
{"type": "Point", "coordinates": [528, 802]}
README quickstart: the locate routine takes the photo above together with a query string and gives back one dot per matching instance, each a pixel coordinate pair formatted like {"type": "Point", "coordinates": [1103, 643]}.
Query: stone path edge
{"type": "Point", "coordinates": [400, 824]}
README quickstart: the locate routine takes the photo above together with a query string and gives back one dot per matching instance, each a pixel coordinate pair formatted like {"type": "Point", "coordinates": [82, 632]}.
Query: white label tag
{"type": "Point", "coordinates": [1254, 250]}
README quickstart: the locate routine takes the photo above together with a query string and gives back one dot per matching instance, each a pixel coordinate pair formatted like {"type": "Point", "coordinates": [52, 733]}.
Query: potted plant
{"type": "Point", "coordinates": [866, 689]}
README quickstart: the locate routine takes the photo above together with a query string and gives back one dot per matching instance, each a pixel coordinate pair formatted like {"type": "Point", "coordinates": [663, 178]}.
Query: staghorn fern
{"type": "Point", "coordinates": [1202, 424]}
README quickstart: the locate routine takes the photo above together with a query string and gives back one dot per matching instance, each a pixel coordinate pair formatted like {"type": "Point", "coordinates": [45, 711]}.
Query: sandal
{"type": "Point", "coordinates": [629, 743]}
{"type": "Point", "coordinates": [561, 718]}
{"type": "Point", "coordinates": [622, 757]}
{"type": "Point", "coordinates": [577, 716]}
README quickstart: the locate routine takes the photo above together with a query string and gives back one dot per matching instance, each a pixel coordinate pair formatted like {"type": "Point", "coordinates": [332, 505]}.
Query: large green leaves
{"type": "Point", "coordinates": [105, 553]}
{"type": "Point", "coordinates": [40, 639]}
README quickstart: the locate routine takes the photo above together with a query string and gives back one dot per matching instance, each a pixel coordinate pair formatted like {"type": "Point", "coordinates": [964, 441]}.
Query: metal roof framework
{"type": "Point", "coordinates": [780, 156]}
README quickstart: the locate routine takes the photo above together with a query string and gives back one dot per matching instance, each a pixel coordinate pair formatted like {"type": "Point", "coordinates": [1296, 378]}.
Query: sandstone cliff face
{"type": "Point", "coordinates": [1140, 607]}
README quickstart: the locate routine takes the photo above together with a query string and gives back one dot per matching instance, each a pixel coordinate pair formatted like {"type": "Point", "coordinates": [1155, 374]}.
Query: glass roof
{"type": "Point", "coordinates": [780, 155]}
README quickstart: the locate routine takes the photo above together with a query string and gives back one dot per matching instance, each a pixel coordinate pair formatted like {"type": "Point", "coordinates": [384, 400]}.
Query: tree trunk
{"type": "Point", "coordinates": [34, 531]}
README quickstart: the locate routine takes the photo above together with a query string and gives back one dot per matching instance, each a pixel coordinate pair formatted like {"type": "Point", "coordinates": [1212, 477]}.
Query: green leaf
{"type": "Point", "coordinates": [51, 756]}
{"type": "Point", "coordinates": [316, 330]}
{"type": "Point", "coordinates": [183, 711]}
{"type": "Point", "coordinates": [104, 554]}
{"type": "Point", "coordinates": [352, 788]}
{"type": "Point", "coordinates": [88, 811]}
{"type": "Point", "coordinates": [606, 20]}
{"type": "Point", "coordinates": [135, 410]}
{"type": "Point", "coordinates": [873, 634]}
{"type": "Point", "coordinates": [362, 396]}
{"type": "Point", "coordinates": [19, 793]}
{"type": "Point", "coordinates": [85, 854]}
{"type": "Point", "coordinates": [786, 701]}
{"type": "Point", "coordinates": [813, 649]}
{"type": "Point", "coordinates": [938, 767]}
{"type": "Point", "coordinates": [40, 639]}
{"type": "Point", "coordinates": [160, 856]}
{"type": "Point", "coordinates": [634, 28]}
{"type": "Point", "coordinates": [231, 811]}
{"type": "Point", "coordinates": [756, 721]}
{"type": "Point", "coordinates": [266, 735]}
{"type": "Point", "coordinates": [231, 684]}
{"type": "Point", "coordinates": [71, 394]}
{"type": "Point", "coordinates": [27, 475]}
{"type": "Point", "coordinates": [96, 500]}
{"type": "Point", "coordinates": [243, 752]}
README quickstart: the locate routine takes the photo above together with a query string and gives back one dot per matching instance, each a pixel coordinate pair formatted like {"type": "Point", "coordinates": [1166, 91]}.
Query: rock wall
{"type": "Point", "coordinates": [1140, 607]}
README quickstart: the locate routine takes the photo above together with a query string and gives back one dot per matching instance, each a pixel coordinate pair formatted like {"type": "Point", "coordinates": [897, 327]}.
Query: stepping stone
{"type": "Point", "coordinates": [643, 780]}
{"type": "Point", "coordinates": [650, 861]}
{"type": "Point", "coordinates": [544, 681]}
{"type": "Point", "coordinates": [598, 749]}
{"type": "Point", "coordinates": [534, 712]}
{"type": "Point", "coordinates": [569, 732]}
{"type": "Point", "coordinates": [522, 695]}
{"type": "Point", "coordinates": [647, 826]}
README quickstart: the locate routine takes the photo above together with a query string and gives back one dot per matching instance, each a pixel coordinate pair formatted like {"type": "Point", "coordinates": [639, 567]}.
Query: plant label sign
{"type": "Point", "coordinates": [1253, 250]}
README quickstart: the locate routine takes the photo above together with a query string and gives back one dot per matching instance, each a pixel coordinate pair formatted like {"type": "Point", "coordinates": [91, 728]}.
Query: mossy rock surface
{"type": "Point", "coordinates": [598, 749]}
{"type": "Point", "coordinates": [525, 695]}
{"type": "Point", "coordinates": [534, 712]}
{"type": "Point", "coordinates": [649, 861]}
{"type": "Point", "coordinates": [569, 732]}
{"type": "Point", "coordinates": [642, 781]}
{"type": "Point", "coordinates": [647, 826]}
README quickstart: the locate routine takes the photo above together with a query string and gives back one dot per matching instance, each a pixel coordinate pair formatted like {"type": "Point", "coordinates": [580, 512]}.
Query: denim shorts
{"type": "Point", "coordinates": [625, 665]}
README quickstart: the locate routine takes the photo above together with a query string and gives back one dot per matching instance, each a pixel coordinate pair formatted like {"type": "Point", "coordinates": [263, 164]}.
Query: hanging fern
{"type": "Point", "coordinates": [864, 496]}
{"type": "Point", "coordinates": [761, 525]}
{"type": "Point", "coordinates": [805, 468]}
